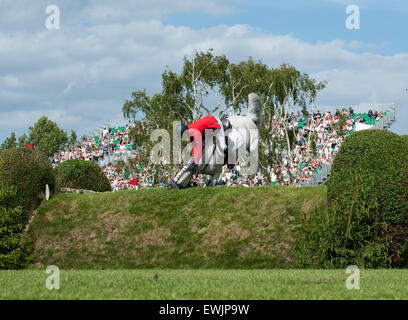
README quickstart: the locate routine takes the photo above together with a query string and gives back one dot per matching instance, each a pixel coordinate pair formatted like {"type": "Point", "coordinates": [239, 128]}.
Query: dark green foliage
{"type": "Point", "coordinates": [14, 248]}
{"type": "Point", "coordinates": [23, 140]}
{"type": "Point", "coordinates": [329, 240]}
{"type": "Point", "coordinates": [73, 138]}
{"type": "Point", "coordinates": [9, 142]}
{"type": "Point", "coordinates": [372, 166]}
{"type": "Point", "coordinates": [47, 136]}
{"type": "Point", "coordinates": [29, 171]}
{"type": "Point", "coordinates": [81, 174]}
{"type": "Point", "coordinates": [366, 219]}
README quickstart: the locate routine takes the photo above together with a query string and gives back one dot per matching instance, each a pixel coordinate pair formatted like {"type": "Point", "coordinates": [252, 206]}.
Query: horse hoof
{"type": "Point", "coordinates": [174, 185]}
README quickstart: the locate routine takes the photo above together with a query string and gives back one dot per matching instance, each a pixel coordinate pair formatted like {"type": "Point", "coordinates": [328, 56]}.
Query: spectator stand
{"type": "Point", "coordinates": [383, 121]}
{"type": "Point", "coordinates": [111, 144]}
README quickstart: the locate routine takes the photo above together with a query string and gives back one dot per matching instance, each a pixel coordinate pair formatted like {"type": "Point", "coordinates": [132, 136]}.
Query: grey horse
{"type": "Point", "coordinates": [242, 133]}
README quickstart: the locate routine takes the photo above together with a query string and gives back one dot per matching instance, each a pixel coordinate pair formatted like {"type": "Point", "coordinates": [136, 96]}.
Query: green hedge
{"type": "Point", "coordinates": [29, 171]}
{"type": "Point", "coordinates": [366, 220]}
{"type": "Point", "coordinates": [81, 174]}
{"type": "Point", "coordinates": [15, 251]}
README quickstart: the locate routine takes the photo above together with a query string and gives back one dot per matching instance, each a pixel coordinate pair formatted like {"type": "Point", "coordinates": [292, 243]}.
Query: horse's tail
{"type": "Point", "coordinates": [255, 109]}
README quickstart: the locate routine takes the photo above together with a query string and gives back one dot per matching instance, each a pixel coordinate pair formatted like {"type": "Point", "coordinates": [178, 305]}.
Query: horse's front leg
{"type": "Point", "coordinates": [183, 178]}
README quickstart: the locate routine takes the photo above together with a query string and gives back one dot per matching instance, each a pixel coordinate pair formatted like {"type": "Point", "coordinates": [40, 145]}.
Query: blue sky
{"type": "Point", "coordinates": [382, 22]}
{"type": "Point", "coordinates": [80, 75]}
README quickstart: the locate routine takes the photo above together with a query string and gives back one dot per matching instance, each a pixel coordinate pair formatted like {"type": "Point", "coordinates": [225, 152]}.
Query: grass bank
{"type": "Point", "coordinates": [204, 284]}
{"type": "Point", "coordinates": [219, 228]}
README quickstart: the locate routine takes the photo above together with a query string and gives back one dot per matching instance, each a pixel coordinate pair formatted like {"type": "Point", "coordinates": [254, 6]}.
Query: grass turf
{"type": "Point", "coordinates": [199, 228]}
{"type": "Point", "coordinates": [204, 284]}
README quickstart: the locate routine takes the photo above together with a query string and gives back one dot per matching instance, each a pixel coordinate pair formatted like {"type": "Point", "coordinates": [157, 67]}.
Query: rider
{"type": "Point", "coordinates": [198, 128]}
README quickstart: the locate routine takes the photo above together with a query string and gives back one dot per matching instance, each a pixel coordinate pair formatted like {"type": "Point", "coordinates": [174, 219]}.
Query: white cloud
{"type": "Point", "coordinates": [30, 15]}
{"type": "Point", "coordinates": [19, 121]}
{"type": "Point", "coordinates": [85, 74]}
{"type": "Point", "coordinates": [11, 81]}
{"type": "Point", "coordinates": [102, 11]}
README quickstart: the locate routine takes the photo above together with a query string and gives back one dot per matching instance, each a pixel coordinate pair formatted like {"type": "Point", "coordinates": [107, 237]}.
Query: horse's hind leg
{"type": "Point", "coordinates": [212, 182]}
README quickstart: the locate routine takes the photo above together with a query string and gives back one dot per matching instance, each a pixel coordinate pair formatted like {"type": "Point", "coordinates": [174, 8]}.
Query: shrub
{"type": "Point", "coordinates": [28, 171]}
{"type": "Point", "coordinates": [81, 174]}
{"type": "Point", "coordinates": [366, 220]}
{"type": "Point", "coordinates": [326, 239]}
{"type": "Point", "coordinates": [14, 248]}
{"type": "Point", "coordinates": [372, 165]}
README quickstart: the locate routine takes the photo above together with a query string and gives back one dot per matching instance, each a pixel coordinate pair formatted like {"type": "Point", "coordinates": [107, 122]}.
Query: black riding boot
{"type": "Point", "coordinates": [174, 182]}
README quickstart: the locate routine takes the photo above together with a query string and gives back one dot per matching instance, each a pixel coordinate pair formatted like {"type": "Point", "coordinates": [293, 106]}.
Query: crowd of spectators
{"type": "Point", "coordinates": [316, 144]}
{"type": "Point", "coordinates": [317, 140]}
{"type": "Point", "coordinates": [97, 147]}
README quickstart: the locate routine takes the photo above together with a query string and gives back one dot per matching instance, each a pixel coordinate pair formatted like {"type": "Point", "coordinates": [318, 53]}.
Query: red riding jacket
{"type": "Point", "coordinates": [208, 122]}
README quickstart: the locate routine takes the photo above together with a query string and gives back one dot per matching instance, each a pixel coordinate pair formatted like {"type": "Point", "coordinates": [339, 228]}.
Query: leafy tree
{"type": "Point", "coordinates": [23, 140]}
{"type": "Point", "coordinates": [47, 136]}
{"type": "Point", "coordinates": [73, 138]}
{"type": "Point", "coordinates": [183, 97]}
{"type": "Point", "coordinates": [202, 73]}
{"type": "Point", "coordinates": [9, 142]}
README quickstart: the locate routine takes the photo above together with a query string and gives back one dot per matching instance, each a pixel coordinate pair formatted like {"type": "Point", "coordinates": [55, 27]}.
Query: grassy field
{"type": "Point", "coordinates": [204, 243]}
{"type": "Point", "coordinates": [204, 284]}
{"type": "Point", "coordinates": [201, 228]}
